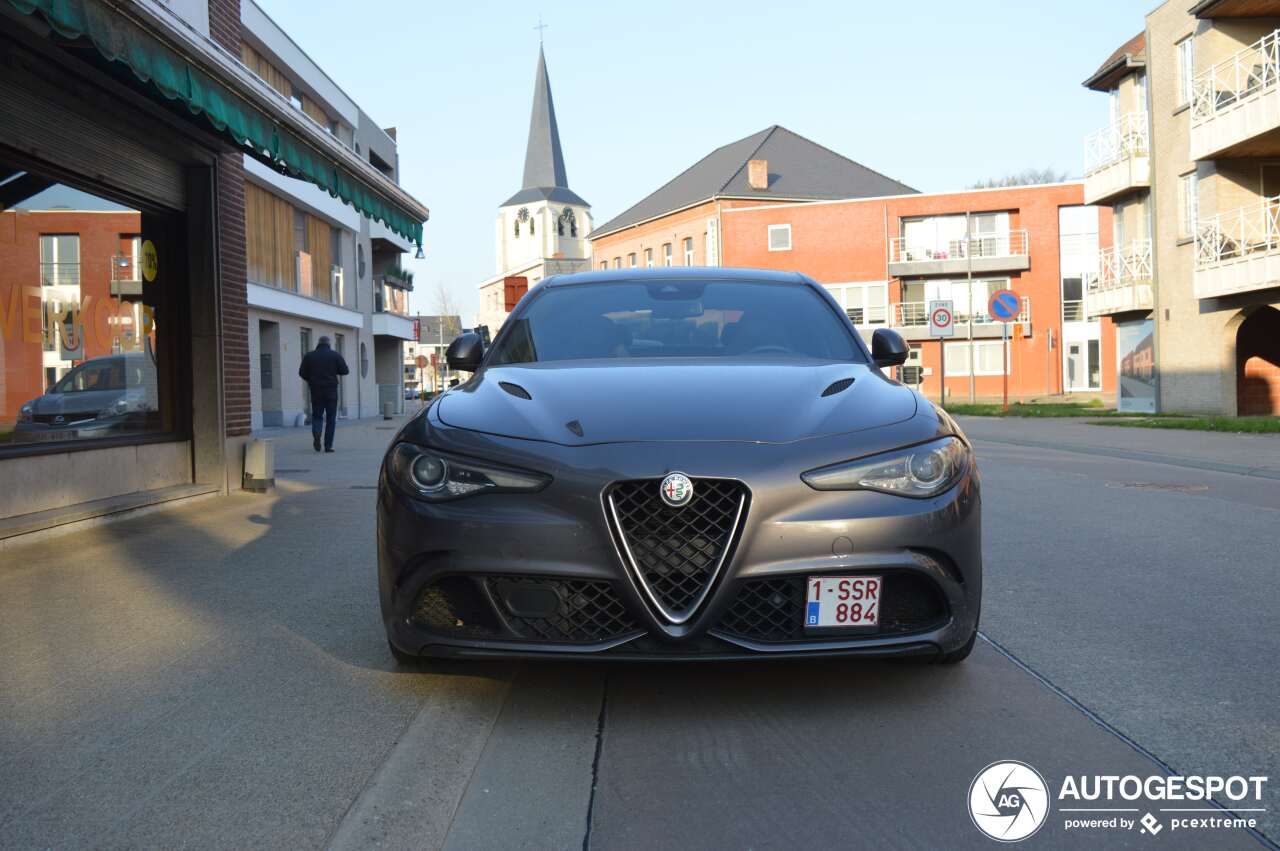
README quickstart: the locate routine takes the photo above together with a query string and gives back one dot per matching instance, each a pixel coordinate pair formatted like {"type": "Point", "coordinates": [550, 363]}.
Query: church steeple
{"type": "Point", "coordinates": [544, 172]}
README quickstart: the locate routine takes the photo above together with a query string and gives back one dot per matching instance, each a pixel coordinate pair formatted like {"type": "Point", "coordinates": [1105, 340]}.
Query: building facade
{"type": "Point", "coordinates": [886, 259]}
{"type": "Point", "coordinates": [681, 223]}
{"type": "Point", "coordinates": [316, 266]}
{"type": "Point", "coordinates": [542, 229]}
{"type": "Point", "coordinates": [126, 140]}
{"type": "Point", "coordinates": [1191, 163]}
{"type": "Point", "coordinates": [432, 336]}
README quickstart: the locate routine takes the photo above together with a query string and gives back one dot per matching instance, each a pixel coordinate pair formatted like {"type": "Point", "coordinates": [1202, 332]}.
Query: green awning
{"type": "Point", "coordinates": [119, 39]}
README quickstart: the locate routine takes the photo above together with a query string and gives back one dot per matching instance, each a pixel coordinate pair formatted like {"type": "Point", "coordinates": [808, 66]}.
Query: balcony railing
{"type": "Point", "coordinates": [1239, 234]}
{"type": "Point", "coordinates": [59, 274]}
{"type": "Point", "coordinates": [1073, 310]}
{"type": "Point", "coordinates": [914, 313]}
{"type": "Point", "coordinates": [1243, 77]}
{"type": "Point", "coordinates": [1123, 266]}
{"type": "Point", "coordinates": [1014, 243]}
{"type": "Point", "coordinates": [1124, 279]}
{"type": "Point", "coordinates": [1125, 138]}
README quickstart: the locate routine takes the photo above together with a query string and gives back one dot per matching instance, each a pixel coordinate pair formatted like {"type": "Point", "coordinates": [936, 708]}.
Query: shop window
{"type": "Point", "coordinates": [88, 354]}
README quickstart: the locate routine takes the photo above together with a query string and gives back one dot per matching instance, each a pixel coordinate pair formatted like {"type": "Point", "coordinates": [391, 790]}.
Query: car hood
{"type": "Point", "coordinates": [588, 402]}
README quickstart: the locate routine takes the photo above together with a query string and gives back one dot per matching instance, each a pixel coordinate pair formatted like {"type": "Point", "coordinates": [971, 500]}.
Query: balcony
{"type": "Point", "coordinates": [911, 319]}
{"type": "Point", "coordinates": [1238, 251]}
{"type": "Point", "coordinates": [997, 252]}
{"type": "Point", "coordinates": [1235, 105]}
{"type": "Point", "coordinates": [1124, 281]}
{"type": "Point", "coordinates": [1116, 159]}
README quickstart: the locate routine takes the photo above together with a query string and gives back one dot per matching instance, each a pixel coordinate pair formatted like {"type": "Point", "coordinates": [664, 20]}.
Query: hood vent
{"type": "Point", "coordinates": [838, 387]}
{"type": "Point", "coordinates": [515, 390]}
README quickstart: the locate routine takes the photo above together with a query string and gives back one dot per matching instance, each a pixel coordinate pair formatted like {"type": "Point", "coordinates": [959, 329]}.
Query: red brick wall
{"type": "Point", "coordinates": [224, 28]}
{"type": "Point", "coordinates": [233, 283]}
{"type": "Point", "coordinates": [224, 24]}
{"type": "Point", "coordinates": [1258, 354]}
{"type": "Point", "coordinates": [21, 352]}
{"type": "Point", "coordinates": [673, 228]}
{"type": "Point", "coordinates": [847, 242]}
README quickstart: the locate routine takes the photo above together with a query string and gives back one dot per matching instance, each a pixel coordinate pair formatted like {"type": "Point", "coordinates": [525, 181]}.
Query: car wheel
{"type": "Point", "coordinates": [960, 653]}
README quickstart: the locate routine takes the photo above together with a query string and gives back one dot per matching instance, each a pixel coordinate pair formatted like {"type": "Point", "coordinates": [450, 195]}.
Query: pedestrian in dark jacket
{"type": "Point", "coordinates": [320, 369]}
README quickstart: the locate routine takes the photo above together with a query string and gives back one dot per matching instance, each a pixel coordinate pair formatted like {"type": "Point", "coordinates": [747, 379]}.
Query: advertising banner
{"type": "Point", "coordinates": [1136, 360]}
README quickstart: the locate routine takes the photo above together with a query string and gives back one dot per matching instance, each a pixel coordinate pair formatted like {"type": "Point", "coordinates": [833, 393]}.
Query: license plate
{"type": "Point", "coordinates": [842, 601]}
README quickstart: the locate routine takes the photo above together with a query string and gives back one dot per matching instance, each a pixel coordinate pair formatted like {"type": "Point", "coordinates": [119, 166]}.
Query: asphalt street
{"type": "Point", "coordinates": [216, 676]}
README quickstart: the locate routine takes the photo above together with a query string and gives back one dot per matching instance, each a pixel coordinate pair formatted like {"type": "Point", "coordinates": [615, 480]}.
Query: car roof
{"type": "Point", "coordinates": [677, 273]}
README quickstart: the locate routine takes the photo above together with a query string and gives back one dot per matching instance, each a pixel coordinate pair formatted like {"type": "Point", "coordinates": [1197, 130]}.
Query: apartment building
{"type": "Point", "coordinates": [1191, 166]}
{"type": "Point", "coordinates": [316, 266]}
{"type": "Point", "coordinates": [885, 259]}
{"type": "Point", "coordinates": [135, 142]}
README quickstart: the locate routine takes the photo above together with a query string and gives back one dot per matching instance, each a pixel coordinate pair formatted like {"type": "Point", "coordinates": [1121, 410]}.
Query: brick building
{"type": "Point", "coordinates": [885, 259]}
{"type": "Point", "coordinates": [128, 136]}
{"type": "Point", "coordinates": [776, 200]}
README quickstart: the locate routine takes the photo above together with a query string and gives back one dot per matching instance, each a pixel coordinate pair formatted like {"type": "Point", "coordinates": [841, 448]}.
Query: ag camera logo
{"type": "Point", "coordinates": [1008, 801]}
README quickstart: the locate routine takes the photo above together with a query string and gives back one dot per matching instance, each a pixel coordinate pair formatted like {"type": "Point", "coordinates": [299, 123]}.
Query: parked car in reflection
{"type": "Point", "coordinates": [107, 395]}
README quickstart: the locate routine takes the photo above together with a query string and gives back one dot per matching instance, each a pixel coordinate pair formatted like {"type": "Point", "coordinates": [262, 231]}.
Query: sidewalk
{"type": "Point", "coordinates": [1243, 454]}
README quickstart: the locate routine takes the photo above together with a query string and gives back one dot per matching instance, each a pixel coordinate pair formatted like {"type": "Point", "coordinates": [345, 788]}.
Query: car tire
{"type": "Point", "coordinates": [960, 653]}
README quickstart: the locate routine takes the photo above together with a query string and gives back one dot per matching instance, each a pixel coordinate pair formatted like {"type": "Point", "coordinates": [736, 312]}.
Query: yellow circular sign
{"type": "Point", "coordinates": [150, 262]}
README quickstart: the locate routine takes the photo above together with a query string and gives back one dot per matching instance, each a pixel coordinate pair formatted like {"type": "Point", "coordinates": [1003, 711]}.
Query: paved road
{"type": "Point", "coordinates": [216, 676]}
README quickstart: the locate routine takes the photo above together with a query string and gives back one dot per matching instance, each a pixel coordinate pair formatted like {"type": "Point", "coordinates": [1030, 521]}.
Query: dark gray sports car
{"type": "Point", "coordinates": [679, 463]}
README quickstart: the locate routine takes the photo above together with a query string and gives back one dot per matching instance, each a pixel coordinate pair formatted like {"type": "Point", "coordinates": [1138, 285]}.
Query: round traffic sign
{"type": "Point", "coordinates": [422, 361]}
{"type": "Point", "coordinates": [1004, 306]}
{"type": "Point", "coordinates": [941, 318]}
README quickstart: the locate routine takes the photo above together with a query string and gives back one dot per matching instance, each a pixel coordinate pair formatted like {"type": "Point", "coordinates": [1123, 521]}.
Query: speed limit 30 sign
{"type": "Point", "coordinates": [942, 320]}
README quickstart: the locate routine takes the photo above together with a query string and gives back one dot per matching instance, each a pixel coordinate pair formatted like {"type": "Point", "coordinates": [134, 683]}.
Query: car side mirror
{"type": "Point", "coordinates": [888, 348]}
{"type": "Point", "coordinates": [465, 352]}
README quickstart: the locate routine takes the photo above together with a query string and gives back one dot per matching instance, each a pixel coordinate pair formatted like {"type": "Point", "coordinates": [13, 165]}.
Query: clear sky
{"type": "Point", "coordinates": [935, 93]}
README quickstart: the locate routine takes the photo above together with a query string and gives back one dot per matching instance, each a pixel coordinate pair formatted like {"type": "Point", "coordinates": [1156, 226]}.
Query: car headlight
{"type": "Point", "coordinates": [429, 475]}
{"type": "Point", "coordinates": [115, 409]}
{"type": "Point", "coordinates": [917, 471]}
{"type": "Point", "coordinates": [26, 412]}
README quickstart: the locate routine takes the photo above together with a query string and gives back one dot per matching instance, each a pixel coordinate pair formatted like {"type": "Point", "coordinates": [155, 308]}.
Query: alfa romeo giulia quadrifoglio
{"type": "Point", "coordinates": [692, 464]}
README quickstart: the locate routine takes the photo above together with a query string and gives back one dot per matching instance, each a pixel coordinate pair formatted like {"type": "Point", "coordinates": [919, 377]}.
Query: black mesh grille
{"type": "Point", "coordinates": [589, 611]}
{"type": "Point", "coordinates": [677, 550]}
{"type": "Point", "coordinates": [453, 604]}
{"type": "Point", "coordinates": [773, 609]}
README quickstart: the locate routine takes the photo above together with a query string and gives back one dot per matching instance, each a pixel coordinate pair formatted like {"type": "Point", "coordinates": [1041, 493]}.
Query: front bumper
{"type": "Point", "coordinates": [479, 549]}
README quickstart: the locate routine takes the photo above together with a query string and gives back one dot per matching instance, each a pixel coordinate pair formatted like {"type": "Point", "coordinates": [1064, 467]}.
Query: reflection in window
{"type": "Point", "coordinates": [83, 355]}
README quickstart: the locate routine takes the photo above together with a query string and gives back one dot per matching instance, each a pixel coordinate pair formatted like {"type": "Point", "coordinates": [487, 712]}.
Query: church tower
{"type": "Point", "coordinates": [542, 229]}
{"type": "Point", "coordinates": [545, 219]}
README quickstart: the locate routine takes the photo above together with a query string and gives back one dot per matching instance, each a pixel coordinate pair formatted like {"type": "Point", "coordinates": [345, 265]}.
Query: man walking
{"type": "Point", "coordinates": [320, 369]}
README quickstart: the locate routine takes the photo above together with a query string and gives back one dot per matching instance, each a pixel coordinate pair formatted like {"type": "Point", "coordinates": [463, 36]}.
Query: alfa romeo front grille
{"type": "Point", "coordinates": [676, 553]}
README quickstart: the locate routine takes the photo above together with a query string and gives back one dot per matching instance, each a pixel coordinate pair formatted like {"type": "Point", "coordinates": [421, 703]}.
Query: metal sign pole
{"type": "Point", "coordinates": [1004, 356]}
{"type": "Point", "coordinates": [942, 373]}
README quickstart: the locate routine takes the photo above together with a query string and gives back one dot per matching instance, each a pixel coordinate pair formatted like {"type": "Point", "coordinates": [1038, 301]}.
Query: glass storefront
{"type": "Point", "coordinates": [88, 307]}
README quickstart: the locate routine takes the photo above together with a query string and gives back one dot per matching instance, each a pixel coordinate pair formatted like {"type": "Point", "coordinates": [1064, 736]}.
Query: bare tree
{"type": "Point", "coordinates": [445, 305]}
{"type": "Point", "coordinates": [1026, 177]}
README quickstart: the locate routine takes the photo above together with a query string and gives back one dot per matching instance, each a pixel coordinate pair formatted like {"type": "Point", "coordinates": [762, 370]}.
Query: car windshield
{"type": "Point", "coordinates": [673, 318]}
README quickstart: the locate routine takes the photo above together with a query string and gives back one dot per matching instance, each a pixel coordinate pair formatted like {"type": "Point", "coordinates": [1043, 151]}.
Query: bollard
{"type": "Point", "coordinates": [387, 409]}
{"type": "Point", "coordinates": [259, 466]}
